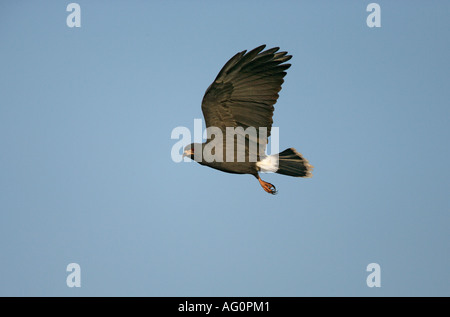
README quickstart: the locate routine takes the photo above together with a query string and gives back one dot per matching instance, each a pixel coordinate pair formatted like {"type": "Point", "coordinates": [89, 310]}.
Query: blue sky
{"type": "Point", "coordinates": [86, 174]}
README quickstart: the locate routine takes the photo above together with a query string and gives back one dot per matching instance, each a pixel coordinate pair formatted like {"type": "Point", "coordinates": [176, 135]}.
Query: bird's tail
{"type": "Point", "coordinates": [289, 162]}
{"type": "Point", "coordinates": [292, 163]}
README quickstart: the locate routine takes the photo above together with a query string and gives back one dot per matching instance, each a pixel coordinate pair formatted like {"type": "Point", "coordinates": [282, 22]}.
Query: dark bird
{"type": "Point", "coordinates": [240, 101]}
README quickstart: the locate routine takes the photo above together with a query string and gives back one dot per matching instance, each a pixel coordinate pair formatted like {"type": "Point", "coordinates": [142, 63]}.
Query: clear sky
{"type": "Point", "coordinates": [86, 174]}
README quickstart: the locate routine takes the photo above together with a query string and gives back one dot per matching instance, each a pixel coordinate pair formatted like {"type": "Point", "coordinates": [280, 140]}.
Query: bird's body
{"type": "Point", "coordinates": [238, 110]}
{"type": "Point", "coordinates": [234, 167]}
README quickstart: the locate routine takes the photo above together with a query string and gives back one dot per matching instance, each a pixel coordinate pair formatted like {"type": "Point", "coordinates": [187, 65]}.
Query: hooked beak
{"type": "Point", "coordinates": [187, 153]}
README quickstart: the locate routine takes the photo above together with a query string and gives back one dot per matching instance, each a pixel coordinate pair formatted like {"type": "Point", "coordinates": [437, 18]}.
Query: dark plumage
{"type": "Point", "coordinates": [242, 96]}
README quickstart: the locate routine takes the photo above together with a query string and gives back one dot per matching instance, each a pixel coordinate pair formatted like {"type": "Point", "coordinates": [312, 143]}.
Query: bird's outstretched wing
{"type": "Point", "coordinates": [245, 90]}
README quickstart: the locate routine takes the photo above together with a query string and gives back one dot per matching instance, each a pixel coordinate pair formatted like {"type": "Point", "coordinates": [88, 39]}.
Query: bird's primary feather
{"type": "Point", "coordinates": [245, 90]}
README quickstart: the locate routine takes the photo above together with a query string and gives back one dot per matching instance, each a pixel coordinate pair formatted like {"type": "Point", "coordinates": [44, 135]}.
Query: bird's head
{"type": "Point", "coordinates": [189, 150]}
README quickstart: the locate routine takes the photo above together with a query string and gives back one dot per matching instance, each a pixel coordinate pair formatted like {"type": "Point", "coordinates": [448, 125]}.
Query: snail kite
{"type": "Point", "coordinates": [239, 103]}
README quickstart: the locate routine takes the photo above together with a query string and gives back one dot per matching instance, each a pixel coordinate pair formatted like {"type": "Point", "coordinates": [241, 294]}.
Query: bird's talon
{"type": "Point", "coordinates": [268, 187]}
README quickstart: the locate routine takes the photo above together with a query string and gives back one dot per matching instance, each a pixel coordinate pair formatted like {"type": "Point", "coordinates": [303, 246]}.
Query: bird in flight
{"type": "Point", "coordinates": [240, 103]}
